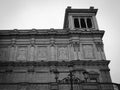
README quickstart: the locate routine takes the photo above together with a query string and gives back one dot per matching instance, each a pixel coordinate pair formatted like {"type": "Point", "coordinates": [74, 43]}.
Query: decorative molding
{"type": "Point", "coordinates": [55, 63]}
{"type": "Point", "coordinates": [67, 80]}
{"type": "Point", "coordinates": [46, 32]}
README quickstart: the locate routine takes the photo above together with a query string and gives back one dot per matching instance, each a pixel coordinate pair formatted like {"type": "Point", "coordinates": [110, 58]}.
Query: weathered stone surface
{"type": "Point", "coordinates": [44, 59]}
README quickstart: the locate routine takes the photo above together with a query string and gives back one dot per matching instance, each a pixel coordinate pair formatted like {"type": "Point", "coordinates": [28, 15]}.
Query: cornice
{"type": "Point", "coordinates": [105, 69]}
{"type": "Point", "coordinates": [56, 63]}
{"type": "Point", "coordinates": [49, 32]}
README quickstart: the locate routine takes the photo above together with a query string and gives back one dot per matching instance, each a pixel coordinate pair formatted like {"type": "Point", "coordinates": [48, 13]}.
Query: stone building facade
{"type": "Point", "coordinates": [56, 59]}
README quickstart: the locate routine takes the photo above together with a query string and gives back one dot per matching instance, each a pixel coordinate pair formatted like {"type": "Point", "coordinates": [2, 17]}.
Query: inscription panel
{"type": "Point", "coordinates": [62, 53]}
{"type": "Point", "coordinates": [32, 53]}
{"type": "Point", "coordinates": [52, 53]}
{"type": "Point", "coordinates": [42, 53]}
{"type": "Point", "coordinates": [22, 53]}
{"type": "Point", "coordinates": [88, 51]}
{"type": "Point", "coordinates": [3, 53]}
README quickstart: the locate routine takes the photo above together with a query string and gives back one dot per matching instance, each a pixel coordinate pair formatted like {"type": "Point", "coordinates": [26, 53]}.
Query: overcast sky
{"type": "Point", "coordinates": [45, 14]}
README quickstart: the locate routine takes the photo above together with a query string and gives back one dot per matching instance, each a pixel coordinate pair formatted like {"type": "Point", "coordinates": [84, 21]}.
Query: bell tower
{"type": "Point", "coordinates": [86, 36]}
{"type": "Point", "coordinates": [87, 44]}
{"type": "Point", "coordinates": [81, 19]}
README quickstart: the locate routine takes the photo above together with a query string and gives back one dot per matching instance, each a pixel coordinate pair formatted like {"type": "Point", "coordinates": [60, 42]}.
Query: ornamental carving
{"type": "Point", "coordinates": [76, 46]}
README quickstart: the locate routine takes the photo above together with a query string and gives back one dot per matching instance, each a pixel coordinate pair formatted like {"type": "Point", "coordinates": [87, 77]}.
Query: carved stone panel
{"type": "Point", "coordinates": [22, 53]}
{"type": "Point", "coordinates": [3, 53]}
{"type": "Point", "coordinates": [88, 51]}
{"type": "Point", "coordinates": [52, 54]}
{"type": "Point", "coordinates": [12, 53]}
{"type": "Point", "coordinates": [31, 53]}
{"type": "Point", "coordinates": [72, 53]}
{"type": "Point", "coordinates": [62, 53]}
{"type": "Point", "coordinates": [42, 53]}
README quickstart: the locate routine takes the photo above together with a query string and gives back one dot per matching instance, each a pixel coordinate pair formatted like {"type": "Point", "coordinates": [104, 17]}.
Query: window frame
{"type": "Point", "coordinates": [94, 76]}
{"type": "Point", "coordinates": [94, 79]}
{"type": "Point", "coordinates": [85, 19]}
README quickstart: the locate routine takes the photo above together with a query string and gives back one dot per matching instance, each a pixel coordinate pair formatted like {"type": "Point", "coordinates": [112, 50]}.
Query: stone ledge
{"type": "Point", "coordinates": [49, 32]}
{"type": "Point", "coordinates": [55, 63]}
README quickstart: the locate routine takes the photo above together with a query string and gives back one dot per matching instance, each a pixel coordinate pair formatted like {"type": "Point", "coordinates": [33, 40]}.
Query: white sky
{"type": "Point", "coordinates": [45, 14]}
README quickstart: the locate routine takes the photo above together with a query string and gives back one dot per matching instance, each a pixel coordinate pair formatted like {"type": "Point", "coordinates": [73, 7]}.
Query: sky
{"type": "Point", "coordinates": [46, 14]}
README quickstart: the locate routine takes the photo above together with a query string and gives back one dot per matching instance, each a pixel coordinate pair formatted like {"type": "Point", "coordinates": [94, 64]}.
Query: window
{"type": "Point", "coordinates": [83, 22]}
{"type": "Point", "coordinates": [93, 79]}
{"type": "Point", "coordinates": [89, 23]}
{"type": "Point", "coordinates": [76, 23]}
{"type": "Point", "coordinates": [93, 76]}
